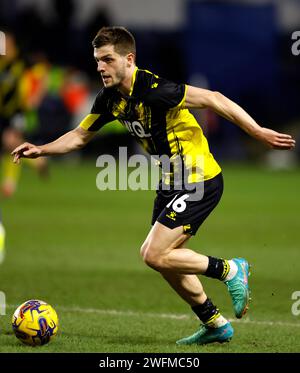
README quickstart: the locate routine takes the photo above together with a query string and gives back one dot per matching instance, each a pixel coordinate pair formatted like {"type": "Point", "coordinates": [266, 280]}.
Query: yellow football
{"type": "Point", "coordinates": [35, 322]}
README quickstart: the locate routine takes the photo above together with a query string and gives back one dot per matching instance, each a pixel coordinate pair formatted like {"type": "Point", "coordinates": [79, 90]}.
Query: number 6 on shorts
{"type": "Point", "coordinates": [179, 204]}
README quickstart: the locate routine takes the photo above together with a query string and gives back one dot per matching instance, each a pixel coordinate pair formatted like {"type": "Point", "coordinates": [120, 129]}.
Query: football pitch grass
{"type": "Point", "coordinates": [78, 249]}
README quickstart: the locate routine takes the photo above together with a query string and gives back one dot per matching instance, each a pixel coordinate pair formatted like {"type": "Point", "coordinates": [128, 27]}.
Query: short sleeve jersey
{"type": "Point", "coordinates": [155, 115]}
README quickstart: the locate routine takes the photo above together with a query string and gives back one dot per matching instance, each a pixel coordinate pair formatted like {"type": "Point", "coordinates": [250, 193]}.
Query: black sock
{"type": "Point", "coordinates": [206, 310]}
{"type": "Point", "coordinates": [217, 268]}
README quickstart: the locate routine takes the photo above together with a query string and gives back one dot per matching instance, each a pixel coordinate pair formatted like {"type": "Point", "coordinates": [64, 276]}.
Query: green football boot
{"type": "Point", "coordinates": [209, 335]}
{"type": "Point", "coordinates": [238, 288]}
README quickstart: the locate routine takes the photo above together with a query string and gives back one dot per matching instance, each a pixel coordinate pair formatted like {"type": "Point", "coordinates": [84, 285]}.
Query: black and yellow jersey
{"type": "Point", "coordinates": [11, 73]}
{"type": "Point", "coordinates": [155, 114]}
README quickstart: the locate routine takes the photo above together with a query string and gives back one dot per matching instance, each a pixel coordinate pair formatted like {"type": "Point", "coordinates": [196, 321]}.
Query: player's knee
{"type": "Point", "coordinates": [150, 257]}
{"type": "Point", "coordinates": [143, 249]}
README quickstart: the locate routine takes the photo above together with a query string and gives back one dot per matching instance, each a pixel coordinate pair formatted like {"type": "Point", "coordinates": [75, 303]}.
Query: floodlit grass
{"type": "Point", "coordinates": [78, 249]}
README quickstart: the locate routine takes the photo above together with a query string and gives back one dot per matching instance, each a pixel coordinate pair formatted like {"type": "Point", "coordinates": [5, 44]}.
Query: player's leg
{"type": "Point", "coordinates": [10, 171]}
{"type": "Point", "coordinates": [214, 327]}
{"type": "Point", "coordinates": [188, 287]}
{"type": "Point", "coordinates": [159, 253]}
{"type": "Point", "coordinates": [168, 234]}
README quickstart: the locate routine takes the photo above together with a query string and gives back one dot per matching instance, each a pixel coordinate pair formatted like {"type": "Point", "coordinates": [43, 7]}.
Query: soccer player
{"type": "Point", "coordinates": [156, 112]}
{"type": "Point", "coordinates": [12, 68]}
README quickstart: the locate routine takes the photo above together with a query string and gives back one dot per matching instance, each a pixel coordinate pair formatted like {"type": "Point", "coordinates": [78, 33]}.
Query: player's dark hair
{"type": "Point", "coordinates": [119, 37]}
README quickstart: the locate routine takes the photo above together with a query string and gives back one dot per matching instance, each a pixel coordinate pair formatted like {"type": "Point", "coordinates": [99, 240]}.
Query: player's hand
{"type": "Point", "coordinates": [276, 140]}
{"type": "Point", "coordinates": [26, 150]}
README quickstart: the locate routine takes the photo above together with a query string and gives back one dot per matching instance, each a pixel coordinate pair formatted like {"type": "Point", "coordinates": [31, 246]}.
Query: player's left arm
{"type": "Point", "coordinates": [204, 98]}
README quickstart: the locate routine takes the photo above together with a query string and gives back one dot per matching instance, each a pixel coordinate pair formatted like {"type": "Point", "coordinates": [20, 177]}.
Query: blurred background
{"type": "Point", "coordinates": [77, 247]}
{"type": "Point", "coordinates": [240, 48]}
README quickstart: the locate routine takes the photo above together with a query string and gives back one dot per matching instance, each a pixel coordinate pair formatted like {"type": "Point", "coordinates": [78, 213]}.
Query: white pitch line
{"type": "Point", "coordinates": [164, 316]}
{"type": "Point", "coordinates": [126, 313]}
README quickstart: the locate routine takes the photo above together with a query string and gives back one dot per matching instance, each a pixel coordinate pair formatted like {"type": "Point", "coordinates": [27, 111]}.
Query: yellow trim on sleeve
{"type": "Point", "coordinates": [88, 121]}
{"type": "Point", "coordinates": [183, 98]}
{"type": "Point", "coordinates": [133, 80]}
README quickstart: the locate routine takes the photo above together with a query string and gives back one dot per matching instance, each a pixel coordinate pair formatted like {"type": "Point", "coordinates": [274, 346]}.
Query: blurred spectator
{"type": "Point", "coordinates": [48, 113]}
{"type": "Point", "coordinates": [12, 67]}
{"type": "Point", "coordinates": [33, 106]}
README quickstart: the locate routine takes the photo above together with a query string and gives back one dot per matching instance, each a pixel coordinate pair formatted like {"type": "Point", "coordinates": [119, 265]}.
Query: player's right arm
{"type": "Point", "coordinates": [72, 140]}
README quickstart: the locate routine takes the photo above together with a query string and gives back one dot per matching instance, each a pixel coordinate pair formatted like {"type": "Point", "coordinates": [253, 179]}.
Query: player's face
{"type": "Point", "coordinates": [111, 65]}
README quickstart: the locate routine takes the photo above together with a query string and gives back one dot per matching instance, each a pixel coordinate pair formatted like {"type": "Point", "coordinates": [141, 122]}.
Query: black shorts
{"type": "Point", "coordinates": [174, 208]}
